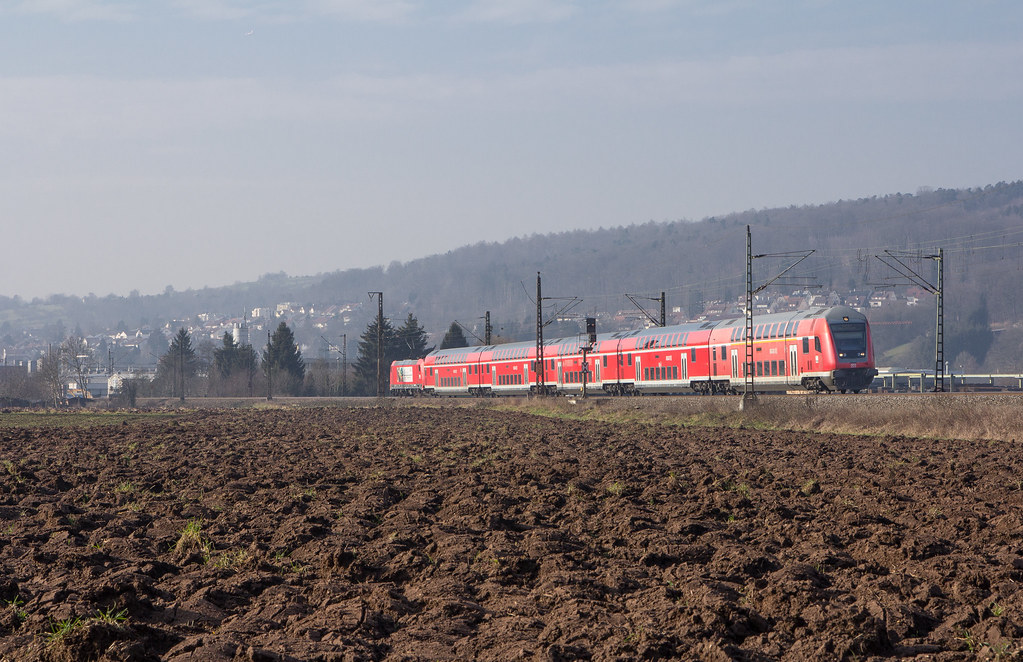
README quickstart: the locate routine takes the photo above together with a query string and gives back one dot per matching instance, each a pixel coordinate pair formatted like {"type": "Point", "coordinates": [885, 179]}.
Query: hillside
{"type": "Point", "coordinates": [979, 230]}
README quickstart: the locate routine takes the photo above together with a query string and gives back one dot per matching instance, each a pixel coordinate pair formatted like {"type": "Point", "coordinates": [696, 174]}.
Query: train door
{"type": "Point", "coordinates": [525, 373]}
{"type": "Point", "coordinates": [620, 362]}
{"type": "Point", "coordinates": [793, 362]}
{"type": "Point", "coordinates": [596, 371]}
{"type": "Point", "coordinates": [493, 376]}
{"type": "Point", "coordinates": [465, 380]}
{"type": "Point", "coordinates": [639, 371]}
{"type": "Point", "coordinates": [561, 375]}
{"type": "Point", "coordinates": [735, 364]}
{"type": "Point", "coordinates": [684, 365]}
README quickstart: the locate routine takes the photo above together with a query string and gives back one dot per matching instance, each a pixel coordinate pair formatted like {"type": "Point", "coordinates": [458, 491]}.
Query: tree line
{"type": "Point", "coordinates": [232, 369]}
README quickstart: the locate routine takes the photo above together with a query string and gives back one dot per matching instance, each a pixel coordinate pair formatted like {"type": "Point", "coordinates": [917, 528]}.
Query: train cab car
{"type": "Point", "coordinates": [848, 350]}
{"type": "Point", "coordinates": [407, 377]}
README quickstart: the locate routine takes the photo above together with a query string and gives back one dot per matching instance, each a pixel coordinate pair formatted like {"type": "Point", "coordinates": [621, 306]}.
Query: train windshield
{"type": "Point", "coordinates": [850, 339]}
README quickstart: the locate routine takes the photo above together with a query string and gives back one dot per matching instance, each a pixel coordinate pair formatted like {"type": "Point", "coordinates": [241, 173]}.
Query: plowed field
{"type": "Point", "coordinates": [461, 533]}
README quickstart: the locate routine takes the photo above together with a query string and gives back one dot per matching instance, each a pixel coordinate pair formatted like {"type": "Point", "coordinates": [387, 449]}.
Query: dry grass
{"type": "Point", "coordinates": [996, 417]}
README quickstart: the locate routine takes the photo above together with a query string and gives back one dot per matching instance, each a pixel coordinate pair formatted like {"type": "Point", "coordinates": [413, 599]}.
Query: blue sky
{"type": "Point", "coordinates": [202, 142]}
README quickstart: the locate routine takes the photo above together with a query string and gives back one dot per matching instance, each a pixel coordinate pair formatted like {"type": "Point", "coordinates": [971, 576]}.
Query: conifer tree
{"type": "Point", "coordinates": [454, 337]}
{"type": "Point", "coordinates": [178, 364]}
{"type": "Point", "coordinates": [366, 364]}
{"type": "Point", "coordinates": [234, 367]}
{"type": "Point", "coordinates": [282, 361]}
{"type": "Point", "coordinates": [410, 340]}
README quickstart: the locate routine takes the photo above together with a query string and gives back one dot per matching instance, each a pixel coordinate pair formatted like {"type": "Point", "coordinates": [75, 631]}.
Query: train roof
{"type": "Point", "coordinates": [511, 350]}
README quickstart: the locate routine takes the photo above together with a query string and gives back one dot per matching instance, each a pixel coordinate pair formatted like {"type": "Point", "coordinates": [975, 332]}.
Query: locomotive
{"type": "Point", "coordinates": [820, 350]}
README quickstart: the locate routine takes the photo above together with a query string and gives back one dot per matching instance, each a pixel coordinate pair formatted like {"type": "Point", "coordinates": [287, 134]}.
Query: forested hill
{"type": "Point", "coordinates": [980, 231]}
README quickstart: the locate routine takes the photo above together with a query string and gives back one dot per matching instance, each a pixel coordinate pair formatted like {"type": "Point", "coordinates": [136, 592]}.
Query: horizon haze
{"type": "Point", "coordinates": [190, 143]}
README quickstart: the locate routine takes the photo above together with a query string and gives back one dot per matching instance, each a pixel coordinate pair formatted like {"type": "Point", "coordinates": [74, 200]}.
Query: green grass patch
{"type": "Point", "coordinates": [79, 418]}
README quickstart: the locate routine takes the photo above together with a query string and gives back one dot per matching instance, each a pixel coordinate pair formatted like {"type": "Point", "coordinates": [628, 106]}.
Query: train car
{"type": "Point", "coordinates": [407, 377]}
{"type": "Point", "coordinates": [821, 349]}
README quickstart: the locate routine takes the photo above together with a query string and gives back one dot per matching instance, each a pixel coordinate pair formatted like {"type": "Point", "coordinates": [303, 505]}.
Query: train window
{"type": "Point", "coordinates": [723, 352]}
{"type": "Point", "coordinates": [817, 344]}
{"type": "Point", "coordinates": [692, 354]}
{"type": "Point", "coordinates": [806, 345]}
{"type": "Point", "coordinates": [630, 358]}
{"type": "Point", "coordinates": [760, 369]}
{"type": "Point", "coordinates": [714, 353]}
{"type": "Point", "coordinates": [674, 372]}
{"type": "Point", "coordinates": [774, 368]}
{"type": "Point", "coordinates": [605, 360]}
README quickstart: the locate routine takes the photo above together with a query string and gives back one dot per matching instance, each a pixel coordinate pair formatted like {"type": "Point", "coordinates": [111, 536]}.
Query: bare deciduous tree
{"type": "Point", "coordinates": [52, 373]}
{"type": "Point", "coordinates": [77, 358]}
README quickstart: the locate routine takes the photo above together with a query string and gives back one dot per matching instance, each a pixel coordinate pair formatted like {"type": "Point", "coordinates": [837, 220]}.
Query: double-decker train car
{"type": "Point", "coordinates": [822, 349]}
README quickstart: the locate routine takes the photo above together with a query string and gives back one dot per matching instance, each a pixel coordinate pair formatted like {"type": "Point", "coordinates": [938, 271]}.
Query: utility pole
{"type": "Point", "coordinates": [269, 368]}
{"type": "Point", "coordinates": [181, 366]}
{"type": "Point", "coordinates": [541, 387]}
{"type": "Point", "coordinates": [659, 321]}
{"type": "Point", "coordinates": [342, 361]}
{"type": "Point", "coordinates": [749, 393]}
{"type": "Point", "coordinates": [894, 260]}
{"type": "Point", "coordinates": [540, 367]}
{"type": "Point", "coordinates": [486, 329]}
{"type": "Point", "coordinates": [380, 341]}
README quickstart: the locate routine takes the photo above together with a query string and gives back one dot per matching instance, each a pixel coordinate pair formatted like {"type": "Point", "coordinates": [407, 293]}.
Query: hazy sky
{"type": "Point", "coordinates": [203, 142]}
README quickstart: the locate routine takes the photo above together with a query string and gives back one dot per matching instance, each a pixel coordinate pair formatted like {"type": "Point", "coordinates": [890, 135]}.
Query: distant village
{"type": "Point", "coordinates": [134, 353]}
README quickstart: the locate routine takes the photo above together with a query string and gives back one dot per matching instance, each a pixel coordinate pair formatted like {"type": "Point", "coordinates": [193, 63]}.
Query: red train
{"type": "Point", "coordinates": [822, 349]}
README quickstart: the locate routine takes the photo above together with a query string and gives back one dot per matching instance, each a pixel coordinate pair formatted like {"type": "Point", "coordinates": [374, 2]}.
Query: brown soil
{"type": "Point", "coordinates": [434, 534]}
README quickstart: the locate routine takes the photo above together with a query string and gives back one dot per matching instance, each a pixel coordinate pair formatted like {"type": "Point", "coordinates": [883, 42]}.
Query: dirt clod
{"type": "Point", "coordinates": [407, 533]}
